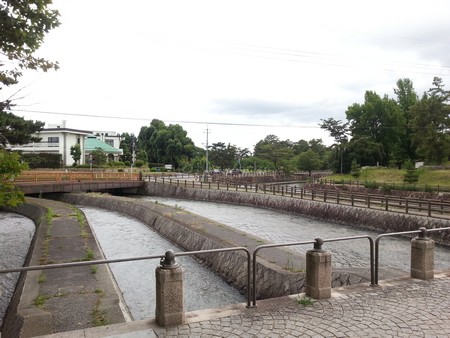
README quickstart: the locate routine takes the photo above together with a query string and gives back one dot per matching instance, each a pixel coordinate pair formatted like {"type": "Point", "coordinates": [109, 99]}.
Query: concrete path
{"type": "Point", "coordinates": [398, 308]}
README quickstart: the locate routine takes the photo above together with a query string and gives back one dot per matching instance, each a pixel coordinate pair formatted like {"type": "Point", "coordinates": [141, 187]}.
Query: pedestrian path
{"type": "Point", "coordinates": [397, 308]}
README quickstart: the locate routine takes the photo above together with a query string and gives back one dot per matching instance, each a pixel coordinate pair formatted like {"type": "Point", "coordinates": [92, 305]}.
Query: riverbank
{"type": "Point", "coordinates": [39, 305]}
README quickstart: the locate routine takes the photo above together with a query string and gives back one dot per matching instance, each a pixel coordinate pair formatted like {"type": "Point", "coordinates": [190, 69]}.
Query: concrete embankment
{"type": "Point", "coordinates": [279, 271]}
{"type": "Point", "coordinates": [363, 218]}
{"type": "Point", "coordinates": [58, 300]}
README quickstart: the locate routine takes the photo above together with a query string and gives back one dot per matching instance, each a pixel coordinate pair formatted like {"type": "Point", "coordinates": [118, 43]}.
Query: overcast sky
{"type": "Point", "coordinates": [241, 69]}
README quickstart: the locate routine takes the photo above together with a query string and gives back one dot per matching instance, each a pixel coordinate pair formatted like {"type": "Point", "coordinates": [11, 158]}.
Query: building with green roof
{"type": "Point", "coordinates": [92, 143]}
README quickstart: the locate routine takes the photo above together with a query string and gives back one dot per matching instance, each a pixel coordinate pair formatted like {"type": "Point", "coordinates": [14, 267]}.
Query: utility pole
{"type": "Point", "coordinates": [207, 161]}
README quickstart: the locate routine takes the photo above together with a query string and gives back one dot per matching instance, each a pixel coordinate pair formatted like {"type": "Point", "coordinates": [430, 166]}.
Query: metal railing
{"type": "Point", "coordinates": [422, 233]}
{"type": "Point", "coordinates": [120, 260]}
{"type": "Point", "coordinates": [251, 257]}
{"type": "Point", "coordinates": [317, 241]}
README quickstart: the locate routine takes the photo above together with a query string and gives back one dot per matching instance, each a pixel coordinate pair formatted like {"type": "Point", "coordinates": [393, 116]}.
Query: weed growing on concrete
{"type": "Point", "coordinates": [50, 215]}
{"type": "Point", "coordinates": [94, 269]}
{"type": "Point", "coordinates": [89, 255]}
{"type": "Point", "coordinates": [42, 278]}
{"type": "Point", "coordinates": [40, 300]}
{"type": "Point", "coordinates": [98, 316]}
{"type": "Point", "coordinates": [305, 301]}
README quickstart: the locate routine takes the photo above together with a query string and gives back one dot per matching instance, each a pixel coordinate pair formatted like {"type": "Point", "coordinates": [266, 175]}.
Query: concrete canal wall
{"type": "Point", "coordinates": [279, 272]}
{"type": "Point", "coordinates": [362, 218]}
{"type": "Point", "coordinates": [59, 300]}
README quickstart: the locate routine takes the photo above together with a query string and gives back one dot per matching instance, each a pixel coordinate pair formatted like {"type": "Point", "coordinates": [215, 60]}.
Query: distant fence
{"type": "Point", "coordinates": [57, 176]}
{"type": "Point", "coordinates": [407, 205]}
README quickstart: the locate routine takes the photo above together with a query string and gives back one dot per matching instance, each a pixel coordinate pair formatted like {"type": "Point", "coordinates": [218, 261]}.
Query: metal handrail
{"type": "Point", "coordinates": [315, 242]}
{"type": "Point", "coordinates": [119, 260]}
{"type": "Point", "coordinates": [379, 237]}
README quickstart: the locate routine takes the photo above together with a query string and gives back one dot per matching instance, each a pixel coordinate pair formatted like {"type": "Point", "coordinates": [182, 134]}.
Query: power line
{"type": "Point", "coordinates": [168, 121]}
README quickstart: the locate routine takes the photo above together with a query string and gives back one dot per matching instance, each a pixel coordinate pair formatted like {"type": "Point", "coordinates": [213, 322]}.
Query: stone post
{"type": "Point", "coordinates": [318, 272]}
{"type": "Point", "coordinates": [422, 256]}
{"type": "Point", "coordinates": [169, 292]}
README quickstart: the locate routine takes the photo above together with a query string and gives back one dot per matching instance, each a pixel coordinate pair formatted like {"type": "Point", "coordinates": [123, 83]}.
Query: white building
{"type": "Point", "coordinates": [57, 139]}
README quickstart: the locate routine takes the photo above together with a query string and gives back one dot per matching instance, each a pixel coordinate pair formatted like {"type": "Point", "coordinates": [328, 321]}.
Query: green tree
{"type": "Point", "coordinates": [99, 157]}
{"type": "Point", "coordinates": [10, 167]}
{"type": "Point", "coordinates": [166, 144]}
{"type": "Point", "coordinates": [278, 152]}
{"type": "Point", "coordinates": [340, 132]}
{"type": "Point", "coordinates": [222, 156]}
{"type": "Point", "coordinates": [309, 161]}
{"type": "Point", "coordinates": [381, 120]}
{"type": "Point", "coordinates": [75, 152]}
{"type": "Point", "coordinates": [23, 25]}
{"type": "Point", "coordinates": [430, 124]}
{"type": "Point", "coordinates": [406, 99]}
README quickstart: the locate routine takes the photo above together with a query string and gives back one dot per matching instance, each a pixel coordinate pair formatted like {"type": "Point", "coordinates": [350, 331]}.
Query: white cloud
{"type": "Point", "coordinates": [262, 62]}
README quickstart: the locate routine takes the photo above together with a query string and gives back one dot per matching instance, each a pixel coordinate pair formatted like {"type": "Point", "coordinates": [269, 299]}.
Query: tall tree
{"type": "Point", "coordinates": [381, 120]}
{"type": "Point", "coordinates": [166, 144]}
{"type": "Point", "coordinates": [406, 99]}
{"type": "Point", "coordinates": [308, 161]}
{"type": "Point", "coordinates": [222, 156]}
{"type": "Point", "coordinates": [278, 152]}
{"type": "Point", "coordinates": [430, 124]}
{"type": "Point", "coordinates": [23, 26]}
{"type": "Point", "coordinates": [340, 132]}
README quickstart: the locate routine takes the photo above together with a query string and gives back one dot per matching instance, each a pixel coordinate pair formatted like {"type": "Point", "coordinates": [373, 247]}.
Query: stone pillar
{"type": "Point", "coordinates": [422, 256]}
{"type": "Point", "coordinates": [169, 292]}
{"type": "Point", "coordinates": [318, 272]}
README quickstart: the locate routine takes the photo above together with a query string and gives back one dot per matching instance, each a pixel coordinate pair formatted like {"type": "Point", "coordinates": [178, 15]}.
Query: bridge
{"type": "Point", "coordinates": [43, 182]}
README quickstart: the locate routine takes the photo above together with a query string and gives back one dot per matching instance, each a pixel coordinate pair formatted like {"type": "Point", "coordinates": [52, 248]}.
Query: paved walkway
{"type": "Point", "coordinates": [399, 308]}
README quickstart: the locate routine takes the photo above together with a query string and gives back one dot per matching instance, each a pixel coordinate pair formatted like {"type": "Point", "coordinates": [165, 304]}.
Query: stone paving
{"type": "Point", "coordinates": [398, 308]}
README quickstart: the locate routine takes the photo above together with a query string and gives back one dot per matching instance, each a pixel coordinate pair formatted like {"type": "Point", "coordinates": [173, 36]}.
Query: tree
{"type": "Point", "coordinates": [99, 157]}
{"type": "Point", "coordinates": [406, 99]}
{"type": "Point", "coordinates": [23, 25]}
{"type": "Point", "coordinates": [275, 151]}
{"type": "Point", "coordinates": [222, 156]}
{"type": "Point", "coordinates": [339, 131]}
{"type": "Point", "coordinates": [309, 161]}
{"type": "Point", "coordinates": [430, 124]}
{"type": "Point", "coordinates": [10, 167]}
{"type": "Point", "coordinates": [75, 152]}
{"type": "Point", "coordinates": [166, 144]}
{"type": "Point", "coordinates": [380, 119]}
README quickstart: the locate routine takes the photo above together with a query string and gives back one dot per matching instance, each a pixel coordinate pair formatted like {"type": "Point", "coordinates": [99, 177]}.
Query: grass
{"type": "Point", "coordinates": [50, 215]}
{"type": "Point", "coordinates": [98, 316]}
{"type": "Point", "coordinates": [305, 301]}
{"type": "Point", "coordinates": [40, 300]}
{"type": "Point", "coordinates": [94, 269]}
{"type": "Point", "coordinates": [42, 278]}
{"type": "Point", "coordinates": [89, 255]}
{"type": "Point", "coordinates": [392, 175]}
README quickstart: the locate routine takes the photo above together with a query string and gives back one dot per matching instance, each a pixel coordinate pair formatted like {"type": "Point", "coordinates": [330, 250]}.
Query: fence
{"type": "Point", "coordinates": [251, 258]}
{"type": "Point", "coordinates": [58, 176]}
{"type": "Point", "coordinates": [407, 205]}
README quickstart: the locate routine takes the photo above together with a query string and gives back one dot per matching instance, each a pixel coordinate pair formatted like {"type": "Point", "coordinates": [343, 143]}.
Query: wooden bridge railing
{"type": "Point", "coordinates": [57, 176]}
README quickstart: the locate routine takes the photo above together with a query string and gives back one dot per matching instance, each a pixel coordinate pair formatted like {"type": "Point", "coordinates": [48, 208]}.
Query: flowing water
{"type": "Point", "coordinates": [278, 227]}
{"type": "Point", "coordinates": [121, 236]}
{"type": "Point", "coordinates": [16, 232]}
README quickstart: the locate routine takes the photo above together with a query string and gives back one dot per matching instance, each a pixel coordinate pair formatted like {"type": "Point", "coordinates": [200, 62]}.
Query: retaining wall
{"type": "Point", "coordinates": [193, 233]}
{"type": "Point", "coordinates": [382, 221]}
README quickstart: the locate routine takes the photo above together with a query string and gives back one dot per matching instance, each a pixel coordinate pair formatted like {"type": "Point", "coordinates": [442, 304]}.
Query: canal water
{"type": "Point", "coordinates": [16, 233]}
{"type": "Point", "coordinates": [121, 236]}
{"type": "Point", "coordinates": [277, 227]}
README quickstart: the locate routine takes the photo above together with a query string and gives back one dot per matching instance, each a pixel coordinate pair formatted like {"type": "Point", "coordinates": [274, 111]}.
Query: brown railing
{"type": "Point", "coordinates": [57, 176]}
{"type": "Point", "coordinates": [408, 205]}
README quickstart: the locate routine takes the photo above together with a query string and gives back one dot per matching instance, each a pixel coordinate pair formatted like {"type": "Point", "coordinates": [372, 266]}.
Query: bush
{"type": "Point", "coordinates": [42, 160]}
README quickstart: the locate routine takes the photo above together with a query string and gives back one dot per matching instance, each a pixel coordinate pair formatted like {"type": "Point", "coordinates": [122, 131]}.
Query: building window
{"type": "Point", "coordinates": [53, 141]}
{"type": "Point", "coordinates": [110, 142]}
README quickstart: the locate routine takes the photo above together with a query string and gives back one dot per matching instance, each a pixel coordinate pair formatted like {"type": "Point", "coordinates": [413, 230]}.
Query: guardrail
{"type": "Point", "coordinates": [58, 176]}
{"type": "Point", "coordinates": [374, 248]}
{"type": "Point", "coordinates": [407, 205]}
